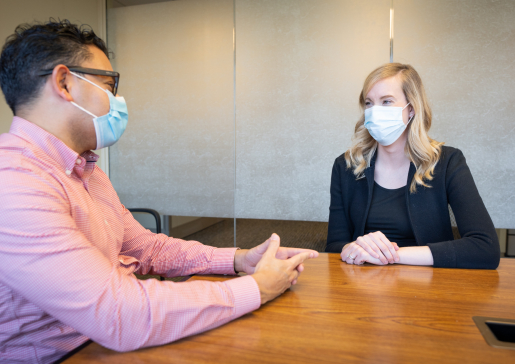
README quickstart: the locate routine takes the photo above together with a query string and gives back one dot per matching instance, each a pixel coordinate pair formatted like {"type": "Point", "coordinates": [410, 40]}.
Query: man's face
{"type": "Point", "coordinates": [90, 97]}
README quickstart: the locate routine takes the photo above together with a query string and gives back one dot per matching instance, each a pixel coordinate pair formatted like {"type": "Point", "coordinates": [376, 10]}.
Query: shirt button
{"type": "Point", "coordinates": [78, 161]}
{"type": "Point", "coordinates": [68, 172]}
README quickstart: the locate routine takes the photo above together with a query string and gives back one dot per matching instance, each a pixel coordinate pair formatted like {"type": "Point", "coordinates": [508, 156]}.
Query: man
{"type": "Point", "coordinates": [68, 247]}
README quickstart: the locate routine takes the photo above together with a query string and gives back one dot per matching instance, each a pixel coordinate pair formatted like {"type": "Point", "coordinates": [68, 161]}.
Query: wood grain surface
{"type": "Point", "coordinates": [341, 313]}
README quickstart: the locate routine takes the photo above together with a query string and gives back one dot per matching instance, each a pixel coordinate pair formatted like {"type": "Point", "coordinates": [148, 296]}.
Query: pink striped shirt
{"type": "Point", "coordinates": [68, 251]}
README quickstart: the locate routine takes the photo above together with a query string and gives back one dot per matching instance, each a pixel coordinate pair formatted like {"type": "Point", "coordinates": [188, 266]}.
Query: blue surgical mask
{"type": "Point", "coordinates": [385, 123]}
{"type": "Point", "coordinates": [110, 127]}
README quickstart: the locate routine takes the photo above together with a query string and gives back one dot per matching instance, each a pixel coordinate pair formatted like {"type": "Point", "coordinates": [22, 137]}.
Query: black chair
{"type": "Point", "coordinates": [455, 230]}
{"type": "Point", "coordinates": [156, 217]}
{"type": "Point", "coordinates": [153, 213]}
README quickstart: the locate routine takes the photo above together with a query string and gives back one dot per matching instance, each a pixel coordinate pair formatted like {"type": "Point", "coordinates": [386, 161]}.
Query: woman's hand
{"type": "Point", "coordinates": [352, 253]}
{"type": "Point", "coordinates": [373, 248]}
{"type": "Point", "coordinates": [379, 247]}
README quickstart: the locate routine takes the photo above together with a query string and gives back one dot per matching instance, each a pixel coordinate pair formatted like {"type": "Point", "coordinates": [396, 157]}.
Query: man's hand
{"type": "Point", "coordinates": [276, 270]}
{"type": "Point", "coordinates": [246, 260]}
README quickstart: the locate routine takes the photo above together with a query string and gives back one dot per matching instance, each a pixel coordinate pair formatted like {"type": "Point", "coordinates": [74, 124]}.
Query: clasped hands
{"type": "Point", "coordinates": [374, 248]}
{"type": "Point", "coordinates": [274, 268]}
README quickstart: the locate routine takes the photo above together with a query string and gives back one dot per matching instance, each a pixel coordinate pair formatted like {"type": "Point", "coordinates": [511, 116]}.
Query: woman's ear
{"type": "Point", "coordinates": [62, 82]}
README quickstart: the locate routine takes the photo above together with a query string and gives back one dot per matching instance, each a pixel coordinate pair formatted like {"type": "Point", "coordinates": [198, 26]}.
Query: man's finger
{"type": "Point", "coordinates": [296, 260]}
{"type": "Point", "coordinates": [290, 252]}
{"type": "Point", "coordinates": [293, 276]}
{"type": "Point", "coordinates": [273, 246]}
{"type": "Point", "coordinates": [263, 247]}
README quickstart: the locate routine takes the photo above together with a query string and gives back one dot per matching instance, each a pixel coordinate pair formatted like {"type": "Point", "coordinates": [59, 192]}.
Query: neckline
{"type": "Point", "coordinates": [390, 189]}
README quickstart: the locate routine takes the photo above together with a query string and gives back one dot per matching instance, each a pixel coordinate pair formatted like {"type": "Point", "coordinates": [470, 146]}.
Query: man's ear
{"type": "Point", "coordinates": [62, 82]}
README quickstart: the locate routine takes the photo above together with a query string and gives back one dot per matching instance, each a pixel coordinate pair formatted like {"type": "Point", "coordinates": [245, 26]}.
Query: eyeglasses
{"type": "Point", "coordinates": [90, 71]}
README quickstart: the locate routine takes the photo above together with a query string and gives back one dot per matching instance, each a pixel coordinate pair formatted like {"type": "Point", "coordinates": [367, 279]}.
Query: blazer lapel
{"type": "Point", "coordinates": [411, 174]}
{"type": "Point", "coordinates": [369, 175]}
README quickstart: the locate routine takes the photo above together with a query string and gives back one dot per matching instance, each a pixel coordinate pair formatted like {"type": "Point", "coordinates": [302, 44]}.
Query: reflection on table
{"type": "Point", "coordinates": [345, 313]}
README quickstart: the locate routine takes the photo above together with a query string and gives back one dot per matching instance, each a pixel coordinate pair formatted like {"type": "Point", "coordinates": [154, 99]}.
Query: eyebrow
{"type": "Point", "coordinates": [383, 97]}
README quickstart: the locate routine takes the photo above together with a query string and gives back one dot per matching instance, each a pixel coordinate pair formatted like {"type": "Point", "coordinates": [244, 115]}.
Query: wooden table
{"type": "Point", "coordinates": [341, 313]}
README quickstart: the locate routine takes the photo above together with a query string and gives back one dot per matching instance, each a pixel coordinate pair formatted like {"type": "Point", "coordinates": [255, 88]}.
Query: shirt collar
{"type": "Point", "coordinates": [50, 145]}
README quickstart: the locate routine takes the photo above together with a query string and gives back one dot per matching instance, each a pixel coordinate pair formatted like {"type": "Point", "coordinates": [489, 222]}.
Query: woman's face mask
{"type": "Point", "coordinates": [110, 127]}
{"type": "Point", "coordinates": [385, 123]}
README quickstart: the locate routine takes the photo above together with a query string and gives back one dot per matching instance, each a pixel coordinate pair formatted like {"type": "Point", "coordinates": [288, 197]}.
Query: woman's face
{"type": "Point", "coordinates": [388, 92]}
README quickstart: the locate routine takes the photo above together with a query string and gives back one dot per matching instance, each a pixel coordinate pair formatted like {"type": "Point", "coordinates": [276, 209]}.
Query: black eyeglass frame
{"type": "Point", "coordinates": [89, 71]}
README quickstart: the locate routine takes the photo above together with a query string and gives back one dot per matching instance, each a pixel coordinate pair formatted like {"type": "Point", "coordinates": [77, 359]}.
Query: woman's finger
{"type": "Point", "coordinates": [373, 250]}
{"type": "Point", "coordinates": [349, 259]}
{"type": "Point", "coordinates": [346, 250]}
{"type": "Point", "coordinates": [390, 245]}
{"type": "Point", "coordinates": [353, 253]}
{"type": "Point", "coordinates": [361, 258]}
{"type": "Point", "coordinates": [383, 257]}
{"type": "Point", "coordinates": [382, 245]}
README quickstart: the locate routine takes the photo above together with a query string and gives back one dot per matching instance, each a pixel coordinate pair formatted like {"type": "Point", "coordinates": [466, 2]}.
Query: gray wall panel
{"type": "Point", "coordinates": [176, 65]}
{"type": "Point", "coordinates": [464, 51]}
{"type": "Point", "coordinates": [299, 69]}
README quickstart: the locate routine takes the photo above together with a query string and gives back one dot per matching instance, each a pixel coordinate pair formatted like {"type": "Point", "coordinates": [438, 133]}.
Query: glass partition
{"type": "Point", "coordinates": [240, 107]}
{"type": "Point", "coordinates": [176, 61]}
{"type": "Point", "coordinates": [300, 66]}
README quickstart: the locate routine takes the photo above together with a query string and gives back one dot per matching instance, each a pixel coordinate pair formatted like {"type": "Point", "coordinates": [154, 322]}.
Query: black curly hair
{"type": "Point", "coordinates": [37, 47]}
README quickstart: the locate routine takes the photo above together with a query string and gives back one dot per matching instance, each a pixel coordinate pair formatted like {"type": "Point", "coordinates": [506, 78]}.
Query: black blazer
{"type": "Point", "coordinates": [452, 184]}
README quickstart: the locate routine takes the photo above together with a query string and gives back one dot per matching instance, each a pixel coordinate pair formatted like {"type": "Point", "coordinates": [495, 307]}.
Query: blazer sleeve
{"type": "Point", "coordinates": [339, 230]}
{"type": "Point", "coordinates": [479, 245]}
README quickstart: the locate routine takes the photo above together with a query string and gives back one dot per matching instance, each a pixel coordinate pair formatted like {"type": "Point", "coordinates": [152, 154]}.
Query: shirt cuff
{"type": "Point", "coordinates": [222, 261]}
{"type": "Point", "coordinates": [246, 295]}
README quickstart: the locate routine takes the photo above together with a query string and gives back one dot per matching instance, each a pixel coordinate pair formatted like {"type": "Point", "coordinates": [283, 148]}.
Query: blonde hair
{"type": "Point", "coordinates": [421, 150]}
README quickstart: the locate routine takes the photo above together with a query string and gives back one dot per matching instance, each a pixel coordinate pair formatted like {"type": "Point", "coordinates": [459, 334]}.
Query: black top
{"type": "Point", "coordinates": [428, 211]}
{"type": "Point", "coordinates": [389, 215]}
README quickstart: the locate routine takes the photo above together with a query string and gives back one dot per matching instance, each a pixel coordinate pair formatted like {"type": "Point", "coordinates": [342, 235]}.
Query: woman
{"type": "Point", "coordinates": [391, 190]}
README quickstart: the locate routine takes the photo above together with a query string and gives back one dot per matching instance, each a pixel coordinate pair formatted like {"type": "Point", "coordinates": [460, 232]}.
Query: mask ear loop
{"type": "Point", "coordinates": [80, 107]}
{"type": "Point", "coordinates": [411, 118]}
{"type": "Point", "coordinates": [85, 79]}
{"type": "Point", "coordinates": [83, 109]}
